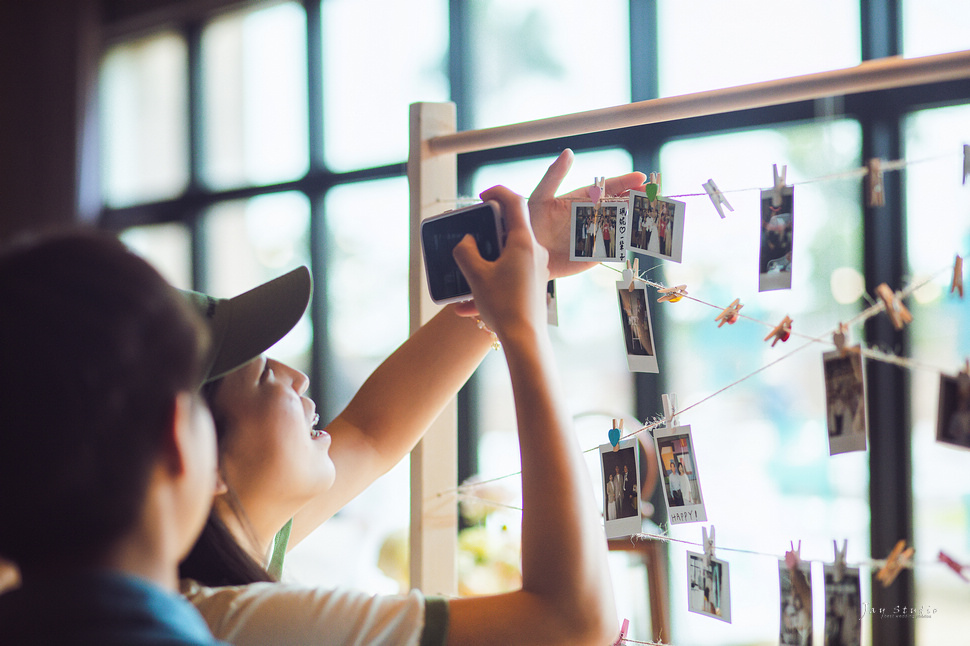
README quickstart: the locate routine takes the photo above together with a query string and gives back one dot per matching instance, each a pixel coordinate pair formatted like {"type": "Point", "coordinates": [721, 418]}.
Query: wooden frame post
{"type": "Point", "coordinates": [433, 180]}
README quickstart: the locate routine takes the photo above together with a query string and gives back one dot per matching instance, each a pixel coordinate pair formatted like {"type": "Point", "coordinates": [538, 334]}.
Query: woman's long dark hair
{"type": "Point", "coordinates": [217, 558]}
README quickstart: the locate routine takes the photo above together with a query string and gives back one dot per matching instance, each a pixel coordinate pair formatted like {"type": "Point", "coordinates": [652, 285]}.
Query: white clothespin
{"type": "Point", "coordinates": [957, 283]}
{"type": "Point", "coordinates": [708, 541]}
{"type": "Point", "coordinates": [717, 197]}
{"type": "Point", "coordinates": [623, 628]}
{"type": "Point", "coordinates": [840, 559]}
{"type": "Point", "coordinates": [897, 312]}
{"type": "Point", "coordinates": [730, 313]}
{"type": "Point", "coordinates": [781, 332]}
{"type": "Point", "coordinates": [953, 565]}
{"type": "Point", "coordinates": [838, 338]}
{"type": "Point", "coordinates": [672, 294]}
{"type": "Point", "coordinates": [875, 194]}
{"type": "Point", "coordinates": [966, 162]}
{"type": "Point", "coordinates": [670, 409]}
{"type": "Point", "coordinates": [898, 559]}
{"type": "Point", "coordinates": [779, 184]}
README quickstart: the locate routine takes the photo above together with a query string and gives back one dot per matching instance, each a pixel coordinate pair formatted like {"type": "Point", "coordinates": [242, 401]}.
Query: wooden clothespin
{"type": "Point", "coordinates": [708, 541]}
{"type": "Point", "coordinates": [652, 187]}
{"type": "Point", "coordinates": [895, 562]}
{"type": "Point", "coordinates": [957, 283]}
{"type": "Point", "coordinates": [730, 313]}
{"type": "Point", "coordinates": [793, 557]}
{"type": "Point", "coordinates": [670, 409]}
{"type": "Point", "coordinates": [615, 433]}
{"type": "Point", "coordinates": [966, 162]}
{"type": "Point", "coordinates": [897, 312]}
{"type": "Point", "coordinates": [672, 294]}
{"type": "Point", "coordinates": [875, 193]}
{"type": "Point", "coordinates": [840, 559]}
{"type": "Point", "coordinates": [717, 197]}
{"type": "Point", "coordinates": [632, 274]}
{"type": "Point", "coordinates": [838, 338]}
{"type": "Point", "coordinates": [779, 184]}
{"type": "Point", "coordinates": [625, 626]}
{"type": "Point", "coordinates": [781, 332]}
{"type": "Point", "coordinates": [953, 565]}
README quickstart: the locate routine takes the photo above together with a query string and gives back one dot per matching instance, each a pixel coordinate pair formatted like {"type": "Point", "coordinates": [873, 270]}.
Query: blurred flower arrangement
{"type": "Point", "coordinates": [489, 548]}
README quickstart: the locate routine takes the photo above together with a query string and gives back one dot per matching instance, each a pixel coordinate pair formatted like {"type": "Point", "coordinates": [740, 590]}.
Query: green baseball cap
{"type": "Point", "coordinates": [245, 326]}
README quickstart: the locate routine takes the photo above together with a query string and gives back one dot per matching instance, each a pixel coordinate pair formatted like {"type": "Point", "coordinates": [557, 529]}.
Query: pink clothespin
{"type": "Point", "coordinates": [793, 557]}
{"type": "Point", "coordinates": [898, 559]}
{"type": "Point", "coordinates": [717, 197]}
{"type": "Point", "coordinates": [966, 162]}
{"type": "Point", "coordinates": [876, 195]}
{"type": "Point", "coordinates": [672, 294]}
{"type": "Point", "coordinates": [953, 565]}
{"type": "Point", "coordinates": [597, 191]}
{"type": "Point", "coordinates": [670, 409]}
{"type": "Point", "coordinates": [781, 332]}
{"type": "Point", "coordinates": [708, 541]}
{"type": "Point", "coordinates": [623, 628]}
{"type": "Point", "coordinates": [897, 312]}
{"type": "Point", "coordinates": [730, 313]}
{"type": "Point", "coordinates": [957, 283]}
{"type": "Point", "coordinates": [779, 184]}
{"type": "Point", "coordinates": [840, 559]}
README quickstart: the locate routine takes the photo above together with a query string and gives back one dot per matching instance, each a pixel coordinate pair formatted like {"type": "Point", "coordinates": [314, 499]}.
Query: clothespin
{"type": "Point", "coordinates": [897, 312]}
{"type": "Point", "coordinates": [896, 561]}
{"type": "Point", "coordinates": [670, 409]}
{"type": "Point", "coordinates": [652, 187]}
{"type": "Point", "coordinates": [631, 274]}
{"type": "Point", "coordinates": [966, 162]}
{"type": "Point", "coordinates": [730, 313]}
{"type": "Point", "coordinates": [597, 191]}
{"type": "Point", "coordinates": [838, 338]}
{"type": "Point", "coordinates": [840, 559]}
{"type": "Point", "coordinates": [623, 628]}
{"type": "Point", "coordinates": [776, 195]}
{"type": "Point", "coordinates": [708, 541]}
{"type": "Point", "coordinates": [957, 283]}
{"type": "Point", "coordinates": [876, 195]}
{"type": "Point", "coordinates": [717, 197]}
{"type": "Point", "coordinates": [956, 567]}
{"type": "Point", "coordinates": [793, 557]}
{"type": "Point", "coordinates": [672, 294]}
{"type": "Point", "coordinates": [781, 332]}
{"type": "Point", "coordinates": [614, 434]}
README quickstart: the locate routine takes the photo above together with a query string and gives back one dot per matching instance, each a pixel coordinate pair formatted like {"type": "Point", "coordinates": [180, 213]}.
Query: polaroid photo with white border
{"type": "Point", "coordinates": [795, 605]}
{"type": "Point", "coordinates": [843, 607]}
{"type": "Point", "coordinates": [845, 401]}
{"type": "Point", "coordinates": [777, 239]}
{"type": "Point", "coordinates": [641, 352]}
{"type": "Point", "coordinates": [657, 227]}
{"type": "Point", "coordinates": [620, 486]}
{"type": "Point", "coordinates": [953, 418]}
{"type": "Point", "coordinates": [709, 593]}
{"type": "Point", "coordinates": [679, 474]}
{"type": "Point", "coordinates": [598, 233]}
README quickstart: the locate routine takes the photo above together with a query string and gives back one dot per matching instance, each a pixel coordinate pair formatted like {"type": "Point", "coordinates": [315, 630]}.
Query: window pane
{"type": "Point", "coordinates": [378, 57]}
{"type": "Point", "coordinates": [937, 205]}
{"type": "Point", "coordinates": [542, 58]}
{"type": "Point", "coordinates": [248, 242]}
{"type": "Point", "coordinates": [935, 26]}
{"type": "Point", "coordinates": [708, 44]}
{"type": "Point", "coordinates": [168, 247]}
{"type": "Point", "coordinates": [762, 445]}
{"type": "Point", "coordinates": [255, 99]}
{"type": "Point", "coordinates": [143, 116]}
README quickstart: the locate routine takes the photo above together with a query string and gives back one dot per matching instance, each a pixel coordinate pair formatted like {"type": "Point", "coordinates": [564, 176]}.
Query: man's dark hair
{"type": "Point", "coordinates": [94, 348]}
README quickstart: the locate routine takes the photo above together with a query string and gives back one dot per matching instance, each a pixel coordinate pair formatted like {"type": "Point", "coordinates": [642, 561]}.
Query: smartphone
{"type": "Point", "coordinates": [441, 233]}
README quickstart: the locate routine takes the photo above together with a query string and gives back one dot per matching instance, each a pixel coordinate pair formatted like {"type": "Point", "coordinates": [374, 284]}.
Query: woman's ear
{"type": "Point", "coordinates": [221, 486]}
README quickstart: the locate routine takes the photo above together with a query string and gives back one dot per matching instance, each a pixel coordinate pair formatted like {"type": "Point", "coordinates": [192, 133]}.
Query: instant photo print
{"type": "Point", "coordinates": [775, 257]}
{"type": "Point", "coordinates": [710, 590]}
{"type": "Point", "coordinates": [657, 226]}
{"type": "Point", "coordinates": [795, 604]}
{"type": "Point", "coordinates": [620, 487]}
{"type": "Point", "coordinates": [599, 233]}
{"type": "Point", "coordinates": [641, 353]}
{"type": "Point", "coordinates": [843, 607]}
{"type": "Point", "coordinates": [845, 401]}
{"type": "Point", "coordinates": [953, 420]}
{"type": "Point", "coordinates": [441, 233]}
{"type": "Point", "coordinates": [678, 473]}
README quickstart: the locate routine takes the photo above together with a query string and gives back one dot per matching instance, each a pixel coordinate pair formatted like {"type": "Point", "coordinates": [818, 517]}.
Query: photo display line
{"type": "Point", "coordinates": [877, 355]}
